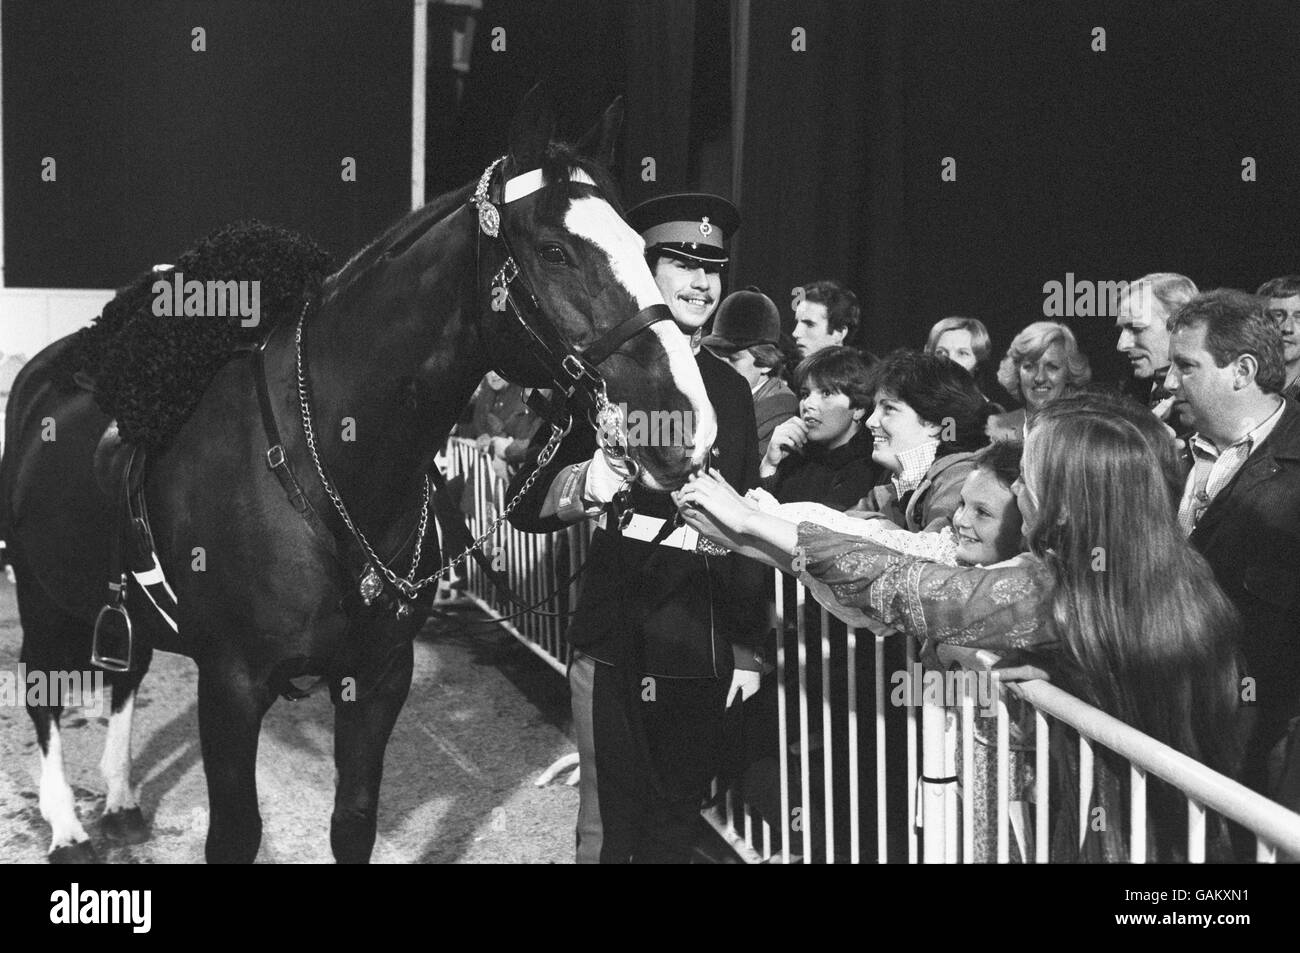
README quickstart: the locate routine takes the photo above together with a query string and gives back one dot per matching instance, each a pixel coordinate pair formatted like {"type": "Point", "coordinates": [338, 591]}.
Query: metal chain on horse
{"type": "Point", "coordinates": [581, 370]}
{"type": "Point", "coordinates": [408, 586]}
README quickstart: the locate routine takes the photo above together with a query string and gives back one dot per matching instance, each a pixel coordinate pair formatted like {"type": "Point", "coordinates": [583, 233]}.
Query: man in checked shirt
{"type": "Point", "coordinates": [1241, 507]}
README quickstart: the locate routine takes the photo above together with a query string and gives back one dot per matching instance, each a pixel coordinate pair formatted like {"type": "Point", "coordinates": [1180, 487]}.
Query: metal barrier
{"type": "Point", "coordinates": [529, 560]}
{"type": "Point", "coordinates": [904, 774]}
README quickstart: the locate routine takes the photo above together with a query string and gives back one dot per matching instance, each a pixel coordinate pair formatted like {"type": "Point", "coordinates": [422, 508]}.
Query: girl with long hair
{"type": "Point", "coordinates": [1110, 592]}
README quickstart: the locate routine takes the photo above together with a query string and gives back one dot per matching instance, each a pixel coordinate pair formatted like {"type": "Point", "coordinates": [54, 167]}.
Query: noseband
{"type": "Point", "coordinates": [574, 373]}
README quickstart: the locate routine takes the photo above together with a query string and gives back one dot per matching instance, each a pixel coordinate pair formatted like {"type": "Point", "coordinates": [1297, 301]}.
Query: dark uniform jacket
{"type": "Point", "coordinates": [673, 612]}
{"type": "Point", "coordinates": [1250, 535]}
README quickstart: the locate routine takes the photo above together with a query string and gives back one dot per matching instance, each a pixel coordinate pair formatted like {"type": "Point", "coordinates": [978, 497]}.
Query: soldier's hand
{"type": "Point", "coordinates": [744, 684]}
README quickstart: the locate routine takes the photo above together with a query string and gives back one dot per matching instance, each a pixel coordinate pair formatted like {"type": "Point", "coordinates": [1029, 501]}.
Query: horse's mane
{"type": "Point", "coordinates": [558, 161]}
{"type": "Point", "coordinates": [557, 164]}
{"type": "Point", "coordinates": [407, 228]}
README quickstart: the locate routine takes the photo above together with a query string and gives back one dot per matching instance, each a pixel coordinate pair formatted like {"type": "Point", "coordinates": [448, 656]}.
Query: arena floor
{"type": "Point", "coordinates": [484, 718]}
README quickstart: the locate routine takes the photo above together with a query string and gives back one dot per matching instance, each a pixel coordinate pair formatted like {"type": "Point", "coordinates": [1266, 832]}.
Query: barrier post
{"type": "Point", "coordinates": [932, 809]}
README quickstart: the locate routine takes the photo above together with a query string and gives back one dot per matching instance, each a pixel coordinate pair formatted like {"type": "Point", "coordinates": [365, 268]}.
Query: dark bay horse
{"type": "Point", "coordinates": [397, 342]}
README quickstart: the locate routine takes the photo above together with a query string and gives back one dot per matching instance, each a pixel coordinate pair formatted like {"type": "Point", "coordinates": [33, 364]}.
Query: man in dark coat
{"type": "Point", "coordinates": [664, 635]}
{"type": "Point", "coordinates": [1241, 506]}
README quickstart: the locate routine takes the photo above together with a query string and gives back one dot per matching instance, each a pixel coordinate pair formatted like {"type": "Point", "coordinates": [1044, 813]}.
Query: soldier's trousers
{"type": "Point", "coordinates": [648, 747]}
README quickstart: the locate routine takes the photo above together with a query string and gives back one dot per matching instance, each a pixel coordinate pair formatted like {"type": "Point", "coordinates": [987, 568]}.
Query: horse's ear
{"type": "Point", "coordinates": [601, 139]}
{"type": "Point", "coordinates": [532, 128]}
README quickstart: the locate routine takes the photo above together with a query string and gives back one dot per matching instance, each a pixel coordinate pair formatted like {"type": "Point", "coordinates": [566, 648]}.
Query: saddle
{"type": "Point", "coordinates": [119, 469]}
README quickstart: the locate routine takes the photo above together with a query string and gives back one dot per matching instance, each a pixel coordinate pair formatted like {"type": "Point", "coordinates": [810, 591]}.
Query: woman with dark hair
{"type": "Point", "coordinates": [824, 454]}
{"type": "Point", "coordinates": [928, 420]}
{"type": "Point", "coordinates": [1148, 637]}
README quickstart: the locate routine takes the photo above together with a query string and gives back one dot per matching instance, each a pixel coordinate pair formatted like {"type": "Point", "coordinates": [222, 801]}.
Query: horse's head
{"type": "Point", "coordinates": [585, 275]}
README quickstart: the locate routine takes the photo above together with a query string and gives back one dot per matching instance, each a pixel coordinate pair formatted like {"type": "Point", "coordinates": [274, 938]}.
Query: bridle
{"type": "Point", "coordinates": [574, 373]}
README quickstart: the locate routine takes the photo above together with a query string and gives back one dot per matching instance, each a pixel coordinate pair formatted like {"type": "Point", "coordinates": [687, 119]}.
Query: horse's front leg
{"type": "Point", "coordinates": [361, 731]}
{"type": "Point", "coordinates": [231, 707]}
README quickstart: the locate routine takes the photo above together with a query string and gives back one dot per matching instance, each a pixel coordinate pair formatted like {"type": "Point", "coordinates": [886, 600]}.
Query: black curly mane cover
{"type": "Point", "coordinates": [150, 370]}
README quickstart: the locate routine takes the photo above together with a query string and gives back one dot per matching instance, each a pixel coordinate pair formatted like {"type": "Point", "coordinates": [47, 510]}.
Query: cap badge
{"type": "Point", "coordinates": [705, 227]}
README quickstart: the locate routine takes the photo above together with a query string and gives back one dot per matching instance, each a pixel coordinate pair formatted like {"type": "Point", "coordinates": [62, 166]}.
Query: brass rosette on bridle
{"type": "Point", "coordinates": [489, 219]}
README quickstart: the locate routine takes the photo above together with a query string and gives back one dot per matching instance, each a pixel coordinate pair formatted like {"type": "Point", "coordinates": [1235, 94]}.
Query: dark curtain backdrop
{"type": "Point", "coordinates": [157, 145]}
{"type": "Point", "coordinates": [1108, 165]}
{"type": "Point", "coordinates": [577, 46]}
{"type": "Point", "coordinates": [669, 59]}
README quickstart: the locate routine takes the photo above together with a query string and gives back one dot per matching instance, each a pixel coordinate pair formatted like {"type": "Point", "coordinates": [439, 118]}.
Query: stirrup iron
{"type": "Point", "coordinates": [113, 633]}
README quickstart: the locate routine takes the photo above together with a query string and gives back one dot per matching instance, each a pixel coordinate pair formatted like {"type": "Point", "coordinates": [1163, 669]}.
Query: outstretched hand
{"type": "Point", "coordinates": [708, 500]}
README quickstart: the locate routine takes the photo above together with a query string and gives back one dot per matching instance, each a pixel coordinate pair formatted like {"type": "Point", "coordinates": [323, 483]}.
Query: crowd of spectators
{"type": "Point", "coordinates": [1146, 557]}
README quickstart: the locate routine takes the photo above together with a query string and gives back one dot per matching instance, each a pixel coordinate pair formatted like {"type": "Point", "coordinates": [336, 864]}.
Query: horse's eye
{"type": "Point", "coordinates": [553, 254]}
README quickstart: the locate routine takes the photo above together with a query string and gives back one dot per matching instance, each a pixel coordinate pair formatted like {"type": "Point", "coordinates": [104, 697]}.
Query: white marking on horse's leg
{"type": "Point", "coordinates": [115, 765]}
{"type": "Point", "coordinates": [595, 220]}
{"type": "Point", "coordinates": [57, 805]}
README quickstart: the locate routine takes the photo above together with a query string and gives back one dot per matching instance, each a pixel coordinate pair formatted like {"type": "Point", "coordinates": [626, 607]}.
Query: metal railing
{"type": "Point", "coordinates": [862, 760]}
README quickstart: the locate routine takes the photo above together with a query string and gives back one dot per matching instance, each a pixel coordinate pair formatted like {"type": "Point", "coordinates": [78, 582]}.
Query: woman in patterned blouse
{"type": "Point", "coordinates": [1128, 613]}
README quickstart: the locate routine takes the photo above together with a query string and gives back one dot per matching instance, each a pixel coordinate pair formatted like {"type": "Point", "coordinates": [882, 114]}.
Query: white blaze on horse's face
{"type": "Point", "coordinates": [595, 220]}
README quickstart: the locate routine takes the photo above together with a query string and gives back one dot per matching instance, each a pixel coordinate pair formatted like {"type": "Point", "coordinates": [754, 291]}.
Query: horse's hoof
{"type": "Point", "coordinates": [124, 826]}
{"type": "Point", "coordinates": [82, 852]}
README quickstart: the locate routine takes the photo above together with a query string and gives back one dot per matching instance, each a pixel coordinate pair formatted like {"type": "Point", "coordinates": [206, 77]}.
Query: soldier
{"type": "Point", "coordinates": [665, 636]}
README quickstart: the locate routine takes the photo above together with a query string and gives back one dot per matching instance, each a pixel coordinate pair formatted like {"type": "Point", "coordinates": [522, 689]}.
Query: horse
{"type": "Point", "coordinates": [530, 271]}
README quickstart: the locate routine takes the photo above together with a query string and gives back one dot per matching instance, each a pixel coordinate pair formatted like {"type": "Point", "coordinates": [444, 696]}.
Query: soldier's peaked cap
{"type": "Point", "coordinates": [694, 226]}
